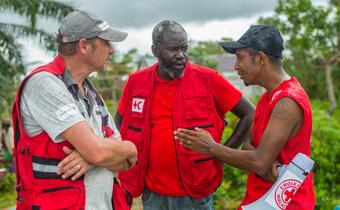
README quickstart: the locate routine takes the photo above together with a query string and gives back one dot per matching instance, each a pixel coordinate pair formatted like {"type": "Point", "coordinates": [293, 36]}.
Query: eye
{"type": "Point", "coordinates": [108, 44]}
{"type": "Point", "coordinates": [172, 49]}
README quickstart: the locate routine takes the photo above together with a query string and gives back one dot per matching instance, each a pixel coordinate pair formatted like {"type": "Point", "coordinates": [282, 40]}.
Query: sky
{"type": "Point", "coordinates": [202, 20]}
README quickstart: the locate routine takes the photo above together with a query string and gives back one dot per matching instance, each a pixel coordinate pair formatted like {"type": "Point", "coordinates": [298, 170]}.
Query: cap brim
{"type": "Point", "coordinates": [231, 47]}
{"type": "Point", "coordinates": [113, 35]}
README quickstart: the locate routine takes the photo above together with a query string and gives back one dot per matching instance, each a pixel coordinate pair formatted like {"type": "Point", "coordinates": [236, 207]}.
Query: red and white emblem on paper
{"type": "Point", "coordinates": [138, 105]}
{"type": "Point", "coordinates": [285, 192]}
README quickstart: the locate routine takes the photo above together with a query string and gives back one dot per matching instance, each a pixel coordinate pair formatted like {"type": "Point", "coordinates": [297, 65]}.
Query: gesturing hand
{"type": "Point", "coordinates": [73, 165]}
{"type": "Point", "coordinates": [198, 140]}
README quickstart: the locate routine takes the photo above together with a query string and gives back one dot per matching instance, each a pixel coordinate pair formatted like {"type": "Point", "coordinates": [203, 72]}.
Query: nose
{"type": "Point", "coordinates": [236, 65]}
{"type": "Point", "coordinates": [180, 54]}
{"type": "Point", "coordinates": [111, 49]}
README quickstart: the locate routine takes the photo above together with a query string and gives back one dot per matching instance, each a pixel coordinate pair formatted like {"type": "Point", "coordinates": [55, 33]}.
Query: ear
{"type": "Point", "coordinates": [82, 45]}
{"type": "Point", "coordinates": [260, 58]}
{"type": "Point", "coordinates": [155, 51]}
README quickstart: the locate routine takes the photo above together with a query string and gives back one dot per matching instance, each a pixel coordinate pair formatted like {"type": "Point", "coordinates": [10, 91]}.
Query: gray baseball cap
{"type": "Point", "coordinates": [263, 38]}
{"type": "Point", "coordinates": [85, 25]}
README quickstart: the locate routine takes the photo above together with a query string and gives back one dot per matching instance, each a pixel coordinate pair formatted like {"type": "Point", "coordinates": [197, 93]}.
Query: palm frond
{"type": "Point", "coordinates": [46, 39]}
{"type": "Point", "coordinates": [10, 50]}
{"type": "Point", "coordinates": [31, 9]}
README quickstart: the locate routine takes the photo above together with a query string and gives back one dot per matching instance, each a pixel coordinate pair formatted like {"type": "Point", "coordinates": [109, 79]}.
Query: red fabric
{"type": "Point", "coordinates": [120, 198]}
{"type": "Point", "coordinates": [256, 187]}
{"type": "Point", "coordinates": [162, 175]}
{"type": "Point", "coordinates": [201, 98]}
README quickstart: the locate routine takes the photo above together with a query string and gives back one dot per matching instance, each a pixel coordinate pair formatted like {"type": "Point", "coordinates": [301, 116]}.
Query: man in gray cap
{"type": "Point", "coordinates": [56, 110]}
{"type": "Point", "coordinates": [282, 124]}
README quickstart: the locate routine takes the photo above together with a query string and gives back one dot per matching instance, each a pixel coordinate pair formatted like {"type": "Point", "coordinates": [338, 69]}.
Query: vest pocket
{"type": "Point", "coordinates": [196, 104]}
{"type": "Point", "coordinates": [203, 169]}
{"type": "Point", "coordinates": [135, 135]}
{"type": "Point", "coordinates": [58, 198]}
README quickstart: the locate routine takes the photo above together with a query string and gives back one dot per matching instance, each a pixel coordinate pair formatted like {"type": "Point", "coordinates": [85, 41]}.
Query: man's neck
{"type": "Point", "coordinates": [162, 73]}
{"type": "Point", "coordinates": [274, 78]}
{"type": "Point", "coordinates": [77, 69]}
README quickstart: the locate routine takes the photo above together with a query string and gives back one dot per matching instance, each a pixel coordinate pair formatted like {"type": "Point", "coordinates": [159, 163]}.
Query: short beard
{"type": "Point", "coordinates": [173, 74]}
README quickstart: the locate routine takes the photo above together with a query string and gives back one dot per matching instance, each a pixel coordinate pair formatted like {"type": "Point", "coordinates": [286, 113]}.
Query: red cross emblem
{"type": "Point", "coordinates": [137, 105]}
{"type": "Point", "coordinates": [289, 194]}
{"type": "Point", "coordinates": [285, 191]}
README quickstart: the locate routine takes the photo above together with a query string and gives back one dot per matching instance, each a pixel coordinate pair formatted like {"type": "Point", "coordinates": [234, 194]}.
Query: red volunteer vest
{"type": "Point", "coordinates": [39, 188]}
{"type": "Point", "coordinates": [304, 199]}
{"type": "Point", "coordinates": [194, 106]}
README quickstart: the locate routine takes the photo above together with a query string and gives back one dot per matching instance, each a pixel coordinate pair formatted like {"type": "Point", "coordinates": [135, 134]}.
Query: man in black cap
{"type": "Point", "coordinates": [58, 109]}
{"type": "Point", "coordinates": [282, 124]}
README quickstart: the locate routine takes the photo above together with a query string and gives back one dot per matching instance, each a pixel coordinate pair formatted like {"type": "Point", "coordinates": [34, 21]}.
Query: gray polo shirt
{"type": "Point", "coordinates": [47, 105]}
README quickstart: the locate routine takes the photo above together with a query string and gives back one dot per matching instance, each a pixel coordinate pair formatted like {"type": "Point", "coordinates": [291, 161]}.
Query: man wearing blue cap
{"type": "Point", "coordinates": [58, 109]}
{"type": "Point", "coordinates": [282, 124]}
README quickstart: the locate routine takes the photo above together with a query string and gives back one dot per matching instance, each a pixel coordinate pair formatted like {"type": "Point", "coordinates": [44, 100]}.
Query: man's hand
{"type": "Point", "coordinates": [127, 163]}
{"type": "Point", "coordinates": [198, 139]}
{"type": "Point", "coordinates": [273, 173]}
{"type": "Point", "coordinates": [73, 165]}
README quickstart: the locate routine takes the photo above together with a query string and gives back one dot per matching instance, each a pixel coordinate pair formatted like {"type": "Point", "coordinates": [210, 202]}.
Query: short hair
{"type": "Point", "coordinates": [165, 25]}
{"type": "Point", "coordinates": [70, 48]}
{"type": "Point", "coordinates": [272, 59]}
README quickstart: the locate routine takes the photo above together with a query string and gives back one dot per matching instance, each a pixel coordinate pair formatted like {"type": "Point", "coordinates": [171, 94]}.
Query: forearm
{"type": "Point", "coordinates": [122, 166]}
{"type": "Point", "coordinates": [98, 151]}
{"type": "Point", "coordinates": [240, 132]}
{"type": "Point", "coordinates": [247, 160]}
{"type": "Point", "coordinates": [111, 154]}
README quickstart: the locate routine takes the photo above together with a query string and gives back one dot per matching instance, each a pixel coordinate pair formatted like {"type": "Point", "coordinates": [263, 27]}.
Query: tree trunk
{"type": "Point", "coordinates": [330, 89]}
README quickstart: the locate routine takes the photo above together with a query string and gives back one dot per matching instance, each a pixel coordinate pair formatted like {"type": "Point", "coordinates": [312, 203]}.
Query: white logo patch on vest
{"type": "Point", "coordinates": [275, 95]}
{"type": "Point", "coordinates": [138, 105]}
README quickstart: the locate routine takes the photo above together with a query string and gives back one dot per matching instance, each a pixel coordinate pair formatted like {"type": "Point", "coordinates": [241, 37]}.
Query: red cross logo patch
{"type": "Point", "coordinates": [137, 105]}
{"type": "Point", "coordinates": [285, 192]}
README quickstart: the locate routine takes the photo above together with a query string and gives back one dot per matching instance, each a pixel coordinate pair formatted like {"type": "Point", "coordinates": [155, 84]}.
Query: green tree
{"type": "Point", "coordinates": [205, 52]}
{"type": "Point", "coordinates": [312, 34]}
{"type": "Point", "coordinates": [11, 63]}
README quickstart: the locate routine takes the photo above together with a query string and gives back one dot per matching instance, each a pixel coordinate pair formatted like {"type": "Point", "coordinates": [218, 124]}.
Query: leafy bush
{"type": "Point", "coordinates": [7, 193]}
{"type": "Point", "coordinates": [326, 154]}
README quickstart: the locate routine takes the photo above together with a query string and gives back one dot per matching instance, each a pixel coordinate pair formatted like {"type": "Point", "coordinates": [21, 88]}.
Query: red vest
{"type": "Point", "coordinates": [39, 188]}
{"type": "Point", "coordinates": [304, 199]}
{"type": "Point", "coordinates": [194, 106]}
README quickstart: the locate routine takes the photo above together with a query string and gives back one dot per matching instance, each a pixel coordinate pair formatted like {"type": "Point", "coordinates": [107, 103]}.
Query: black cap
{"type": "Point", "coordinates": [259, 37]}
